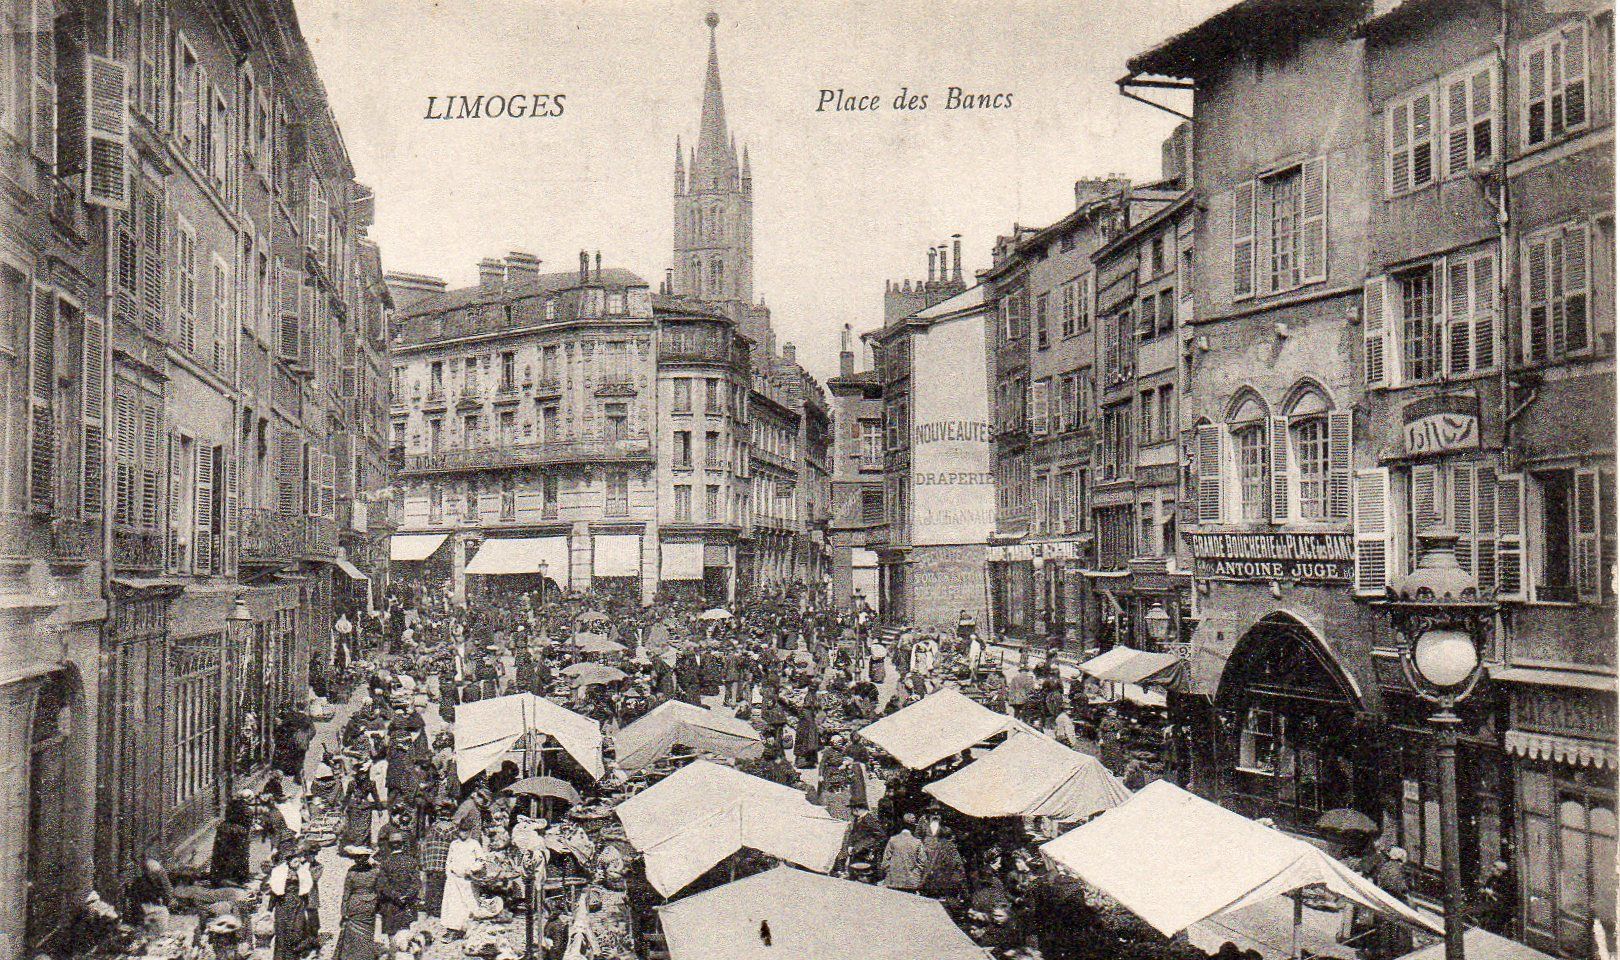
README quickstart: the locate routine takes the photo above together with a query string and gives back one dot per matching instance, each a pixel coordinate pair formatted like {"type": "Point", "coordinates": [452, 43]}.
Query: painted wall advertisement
{"type": "Point", "coordinates": [953, 493]}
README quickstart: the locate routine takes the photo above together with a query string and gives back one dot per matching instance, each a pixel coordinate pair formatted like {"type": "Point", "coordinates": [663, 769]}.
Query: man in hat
{"type": "Point", "coordinates": [435, 849]}
{"type": "Point", "coordinates": [399, 884]}
{"type": "Point", "coordinates": [357, 933]}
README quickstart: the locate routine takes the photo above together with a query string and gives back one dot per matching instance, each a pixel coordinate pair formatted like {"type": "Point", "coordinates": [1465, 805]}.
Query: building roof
{"type": "Point", "coordinates": [1197, 51]}
{"type": "Point", "coordinates": [856, 380]}
{"type": "Point", "coordinates": [508, 292]}
{"type": "Point", "coordinates": [966, 300]}
{"type": "Point", "coordinates": [1146, 224]}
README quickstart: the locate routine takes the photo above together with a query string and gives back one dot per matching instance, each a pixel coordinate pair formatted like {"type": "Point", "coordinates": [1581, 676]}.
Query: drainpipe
{"type": "Point", "coordinates": [1506, 248]}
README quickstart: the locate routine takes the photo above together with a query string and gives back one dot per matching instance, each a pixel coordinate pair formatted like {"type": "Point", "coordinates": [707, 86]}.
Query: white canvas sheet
{"type": "Point", "coordinates": [941, 724]}
{"type": "Point", "coordinates": [1031, 776]}
{"type": "Point", "coordinates": [677, 722]}
{"type": "Point", "coordinates": [411, 547]}
{"type": "Point", "coordinates": [486, 729]}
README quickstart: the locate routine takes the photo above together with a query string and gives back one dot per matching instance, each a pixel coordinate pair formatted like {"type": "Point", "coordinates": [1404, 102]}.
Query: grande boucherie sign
{"type": "Point", "coordinates": [1302, 557]}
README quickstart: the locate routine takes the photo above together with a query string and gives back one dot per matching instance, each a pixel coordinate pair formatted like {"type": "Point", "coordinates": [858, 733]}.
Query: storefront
{"type": "Point", "coordinates": [616, 566]}
{"type": "Point", "coordinates": [518, 565]}
{"type": "Point", "coordinates": [1012, 589]}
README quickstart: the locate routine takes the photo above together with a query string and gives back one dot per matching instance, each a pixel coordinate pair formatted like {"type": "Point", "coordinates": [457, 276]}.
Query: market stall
{"type": "Point", "coordinates": [939, 725]}
{"type": "Point", "coordinates": [677, 723]}
{"type": "Point", "coordinates": [486, 730]}
{"type": "Point", "coordinates": [1031, 775]}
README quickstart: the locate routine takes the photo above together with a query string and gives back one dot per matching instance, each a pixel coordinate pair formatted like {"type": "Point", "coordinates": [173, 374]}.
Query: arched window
{"type": "Point", "coordinates": [1250, 458]}
{"type": "Point", "coordinates": [1307, 452]}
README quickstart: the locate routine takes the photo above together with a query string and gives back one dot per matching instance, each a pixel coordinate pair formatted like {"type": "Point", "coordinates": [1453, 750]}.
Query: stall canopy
{"type": "Point", "coordinates": [1481, 944]}
{"type": "Point", "coordinates": [810, 916]}
{"type": "Point", "coordinates": [703, 813]}
{"type": "Point", "coordinates": [487, 729]}
{"type": "Point", "coordinates": [676, 723]}
{"type": "Point", "coordinates": [349, 569]}
{"type": "Point", "coordinates": [682, 561]}
{"type": "Point", "coordinates": [941, 724]}
{"type": "Point", "coordinates": [617, 555]}
{"type": "Point", "coordinates": [1174, 859]}
{"type": "Point", "coordinates": [409, 547]}
{"type": "Point", "coordinates": [1031, 776]}
{"type": "Point", "coordinates": [1125, 665]}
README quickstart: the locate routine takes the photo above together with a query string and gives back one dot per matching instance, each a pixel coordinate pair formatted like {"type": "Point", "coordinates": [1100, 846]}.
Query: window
{"type": "Point", "coordinates": [1309, 439]}
{"type": "Point", "coordinates": [683, 395]}
{"type": "Point", "coordinates": [1470, 313]}
{"type": "Point", "coordinates": [1552, 78]}
{"type": "Point", "coordinates": [548, 364]}
{"type": "Point", "coordinates": [711, 503]}
{"type": "Point", "coordinates": [1557, 321]}
{"type": "Point", "coordinates": [469, 377]}
{"type": "Point", "coordinates": [1284, 207]}
{"type": "Point", "coordinates": [1167, 412]}
{"type": "Point", "coordinates": [1042, 338]}
{"type": "Point", "coordinates": [1071, 309]}
{"type": "Point", "coordinates": [683, 449]}
{"type": "Point", "coordinates": [1147, 319]}
{"type": "Point", "coordinates": [617, 416]}
{"type": "Point", "coordinates": [1257, 745]}
{"type": "Point", "coordinates": [711, 397]}
{"type": "Point", "coordinates": [1167, 311]}
{"type": "Point", "coordinates": [871, 505]}
{"type": "Point", "coordinates": [1469, 98]}
{"type": "Point", "coordinates": [1253, 470]}
{"type": "Point", "coordinates": [1410, 122]}
{"type": "Point", "coordinates": [1573, 566]}
{"type": "Point", "coordinates": [470, 428]}
{"type": "Point", "coordinates": [1149, 418]}
{"type": "Point", "coordinates": [711, 449]}
{"type": "Point", "coordinates": [1148, 539]}
{"type": "Point", "coordinates": [548, 496]}
{"type": "Point", "coordinates": [871, 445]}
{"type": "Point", "coordinates": [1088, 394]}
{"type": "Point", "coordinates": [549, 423]}
{"type": "Point", "coordinates": [1279, 230]}
{"type": "Point", "coordinates": [683, 503]}
{"type": "Point", "coordinates": [436, 378]}
{"type": "Point", "coordinates": [1156, 258]}
{"type": "Point", "coordinates": [508, 371]}
{"type": "Point", "coordinates": [435, 434]}
{"type": "Point", "coordinates": [185, 244]}
{"type": "Point", "coordinates": [508, 428]}
{"type": "Point", "coordinates": [618, 493]}
{"type": "Point", "coordinates": [1063, 417]}
{"type": "Point", "coordinates": [1420, 329]}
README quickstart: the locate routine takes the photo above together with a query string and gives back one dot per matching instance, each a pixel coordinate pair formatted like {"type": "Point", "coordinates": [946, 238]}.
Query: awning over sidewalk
{"type": "Point", "coordinates": [682, 561]}
{"type": "Point", "coordinates": [1125, 665]}
{"type": "Point", "coordinates": [941, 724]}
{"type": "Point", "coordinates": [504, 555]}
{"type": "Point", "coordinates": [1550, 746]}
{"type": "Point", "coordinates": [411, 547]}
{"type": "Point", "coordinates": [353, 572]}
{"type": "Point", "coordinates": [617, 555]}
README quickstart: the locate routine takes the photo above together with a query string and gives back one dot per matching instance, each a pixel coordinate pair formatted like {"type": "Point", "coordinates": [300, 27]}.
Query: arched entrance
{"type": "Point", "coordinates": [1289, 715]}
{"type": "Point", "coordinates": [49, 793]}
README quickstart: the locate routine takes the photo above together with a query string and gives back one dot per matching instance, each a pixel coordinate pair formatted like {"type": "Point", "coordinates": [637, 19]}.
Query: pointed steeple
{"type": "Point", "coordinates": [680, 167]}
{"type": "Point", "coordinates": [714, 165]}
{"type": "Point", "coordinates": [747, 173]}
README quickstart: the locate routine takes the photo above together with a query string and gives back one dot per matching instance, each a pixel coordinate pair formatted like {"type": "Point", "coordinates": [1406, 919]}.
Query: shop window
{"type": "Point", "coordinates": [1259, 741]}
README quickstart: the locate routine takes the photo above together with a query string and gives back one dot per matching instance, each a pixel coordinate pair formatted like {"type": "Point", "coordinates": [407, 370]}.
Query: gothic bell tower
{"type": "Point", "coordinates": [714, 205]}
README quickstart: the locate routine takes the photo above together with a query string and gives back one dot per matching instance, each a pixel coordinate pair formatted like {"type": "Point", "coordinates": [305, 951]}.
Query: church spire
{"type": "Point", "coordinates": [714, 165]}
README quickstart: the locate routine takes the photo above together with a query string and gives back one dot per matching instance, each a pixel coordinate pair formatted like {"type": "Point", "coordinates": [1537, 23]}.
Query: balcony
{"type": "Point", "coordinates": [775, 459]}
{"type": "Point", "coordinates": [548, 386]}
{"type": "Point", "coordinates": [636, 448]}
{"type": "Point", "coordinates": [75, 541]}
{"type": "Point", "coordinates": [137, 550]}
{"type": "Point", "coordinates": [269, 537]}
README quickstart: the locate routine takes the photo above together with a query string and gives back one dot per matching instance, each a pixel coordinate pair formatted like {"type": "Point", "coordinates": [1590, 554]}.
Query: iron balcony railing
{"type": "Point", "coordinates": [598, 450]}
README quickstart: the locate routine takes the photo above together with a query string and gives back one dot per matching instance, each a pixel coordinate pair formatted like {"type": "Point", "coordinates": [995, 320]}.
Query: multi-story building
{"type": "Point", "coordinates": [223, 363]}
{"type": "Point", "coordinates": [857, 479]}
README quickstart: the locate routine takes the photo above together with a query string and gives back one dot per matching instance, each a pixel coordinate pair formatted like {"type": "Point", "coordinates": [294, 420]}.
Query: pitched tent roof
{"type": "Point", "coordinates": [704, 812]}
{"type": "Point", "coordinates": [1126, 665]}
{"type": "Point", "coordinates": [1174, 859]}
{"type": "Point", "coordinates": [486, 729]}
{"type": "Point", "coordinates": [1031, 776]}
{"type": "Point", "coordinates": [941, 724]}
{"type": "Point", "coordinates": [676, 722]}
{"type": "Point", "coordinates": [811, 917]}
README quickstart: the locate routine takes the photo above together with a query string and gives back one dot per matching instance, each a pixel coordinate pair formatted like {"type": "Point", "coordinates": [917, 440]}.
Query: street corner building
{"type": "Point", "coordinates": [195, 410]}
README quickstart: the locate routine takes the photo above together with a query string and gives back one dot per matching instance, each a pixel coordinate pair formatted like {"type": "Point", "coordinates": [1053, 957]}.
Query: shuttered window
{"type": "Point", "coordinates": [1243, 241]}
{"type": "Point", "coordinates": [185, 293]}
{"type": "Point", "coordinates": [1471, 311]}
{"type": "Point", "coordinates": [1553, 85]}
{"type": "Point", "coordinates": [1557, 313]}
{"type": "Point", "coordinates": [1210, 440]}
{"type": "Point", "coordinates": [1409, 125]}
{"type": "Point", "coordinates": [1039, 411]}
{"type": "Point", "coordinates": [202, 505]}
{"type": "Point", "coordinates": [1280, 230]}
{"type": "Point", "coordinates": [1510, 555]}
{"type": "Point", "coordinates": [1376, 334]}
{"type": "Point", "coordinates": [1469, 99]}
{"type": "Point", "coordinates": [1374, 546]}
{"type": "Point", "coordinates": [42, 88]}
{"type": "Point", "coordinates": [41, 478]}
{"type": "Point", "coordinates": [93, 397]}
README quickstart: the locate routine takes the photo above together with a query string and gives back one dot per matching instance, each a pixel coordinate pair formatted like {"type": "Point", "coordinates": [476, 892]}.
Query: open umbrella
{"type": "Point", "coordinates": [718, 613]}
{"type": "Point", "coordinates": [594, 616]}
{"type": "Point", "coordinates": [1346, 820]}
{"type": "Point", "coordinates": [546, 787]}
{"type": "Point", "coordinates": [586, 674]}
{"type": "Point", "coordinates": [596, 643]}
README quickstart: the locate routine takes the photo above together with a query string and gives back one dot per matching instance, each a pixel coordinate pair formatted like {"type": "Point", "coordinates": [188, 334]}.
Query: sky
{"type": "Point", "coordinates": [842, 200]}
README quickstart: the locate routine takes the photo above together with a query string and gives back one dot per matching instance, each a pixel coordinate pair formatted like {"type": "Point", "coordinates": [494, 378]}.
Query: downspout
{"type": "Point", "coordinates": [1506, 248]}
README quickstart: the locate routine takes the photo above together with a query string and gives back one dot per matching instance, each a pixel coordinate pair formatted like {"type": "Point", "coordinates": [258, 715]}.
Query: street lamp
{"type": "Point", "coordinates": [1442, 618]}
{"type": "Point", "coordinates": [239, 635]}
{"type": "Point", "coordinates": [1158, 622]}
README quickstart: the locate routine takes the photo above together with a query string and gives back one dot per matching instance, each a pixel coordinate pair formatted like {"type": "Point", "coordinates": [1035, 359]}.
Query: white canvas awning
{"type": "Point", "coordinates": [1031, 776]}
{"type": "Point", "coordinates": [811, 916]}
{"type": "Point", "coordinates": [861, 558]}
{"type": "Point", "coordinates": [703, 813]}
{"type": "Point", "coordinates": [676, 722]}
{"type": "Point", "coordinates": [502, 555]}
{"type": "Point", "coordinates": [941, 724]}
{"type": "Point", "coordinates": [682, 561]}
{"type": "Point", "coordinates": [616, 555]}
{"type": "Point", "coordinates": [487, 729]}
{"type": "Point", "coordinates": [1174, 859]}
{"type": "Point", "coordinates": [1125, 665]}
{"type": "Point", "coordinates": [349, 569]}
{"type": "Point", "coordinates": [410, 547]}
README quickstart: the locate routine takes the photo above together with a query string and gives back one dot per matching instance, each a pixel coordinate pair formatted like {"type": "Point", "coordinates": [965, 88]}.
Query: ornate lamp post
{"type": "Point", "coordinates": [1442, 620]}
{"type": "Point", "coordinates": [238, 643]}
{"type": "Point", "coordinates": [1158, 622]}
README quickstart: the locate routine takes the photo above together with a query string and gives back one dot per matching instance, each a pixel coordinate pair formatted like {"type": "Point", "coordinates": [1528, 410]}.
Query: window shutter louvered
{"type": "Point", "coordinates": [1510, 559]}
{"type": "Point", "coordinates": [1485, 527]}
{"type": "Point", "coordinates": [1038, 411]}
{"type": "Point", "coordinates": [1574, 88]}
{"type": "Point", "coordinates": [1588, 521]}
{"type": "Point", "coordinates": [1398, 122]}
{"type": "Point", "coordinates": [1427, 510]}
{"type": "Point", "coordinates": [202, 521]}
{"type": "Point", "coordinates": [107, 133]}
{"type": "Point", "coordinates": [93, 394]}
{"type": "Point", "coordinates": [151, 467]}
{"type": "Point", "coordinates": [152, 260]}
{"type": "Point", "coordinates": [1535, 297]}
{"type": "Point", "coordinates": [42, 401]}
{"type": "Point", "coordinates": [1281, 479]}
{"type": "Point", "coordinates": [1459, 317]}
{"type": "Point", "coordinates": [1372, 529]}
{"type": "Point", "coordinates": [232, 520]}
{"type": "Point", "coordinates": [1462, 515]}
{"type": "Point", "coordinates": [1456, 100]}
{"type": "Point", "coordinates": [171, 541]}
{"type": "Point", "coordinates": [1576, 271]}
{"type": "Point", "coordinates": [126, 453]}
{"type": "Point", "coordinates": [42, 91]}
{"type": "Point", "coordinates": [1340, 433]}
{"type": "Point", "coordinates": [1422, 140]}
{"type": "Point", "coordinates": [1375, 333]}
{"type": "Point", "coordinates": [1313, 199]}
{"type": "Point", "coordinates": [1557, 329]}
{"type": "Point", "coordinates": [1484, 311]}
{"type": "Point", "coordinates": [1243, 252]}
{"type": "Point", "coordinates": [288, 283]}
{"type": "Point", "coordinates": [288, 478]}
{"type": "Point", "coordinates": [1208, 456]}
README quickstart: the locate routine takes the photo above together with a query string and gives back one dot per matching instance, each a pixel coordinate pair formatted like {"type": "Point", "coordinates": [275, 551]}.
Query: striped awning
{"type": "Point", "coordinates": [1567, 750]}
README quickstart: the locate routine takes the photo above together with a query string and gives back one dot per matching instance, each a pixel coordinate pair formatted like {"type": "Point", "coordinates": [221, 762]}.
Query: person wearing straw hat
{"type": "Point", "coordinates": [357, 932]}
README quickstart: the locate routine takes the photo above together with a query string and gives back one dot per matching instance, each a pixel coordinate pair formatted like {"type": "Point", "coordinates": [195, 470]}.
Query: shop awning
{"type": "Point", "coordinates": [1545, 677]}
{"type": "Point", "coordinates": [411, 547]}
{"type": "Point", "coordinates": [617, 555]}
{"type": "Point", "coordinates": [1125, 665]}
{"type": "Point", "coordinates": [504, 555]}
{"type": "Point", "coordinates": [861, 558]}
{"type": "Point", "coordinates": [1223, 861]}
{"type": "Point", "coordinates": [1031, 776]}
{"type": "Point", "coordinates": [811, 916]}
{"type": "Point", "coordinates": [354, 573]}
{"type": "Point", "coordinates": [486, 730]}
{"type": "Point", "coordinates": [1569, 750]}
{"type": "Point", "coordinates": [681, 561]}
{"type": "Point", "coordinates": [939, 725]}
{"type": "Point", "coordinates": [677, 723]}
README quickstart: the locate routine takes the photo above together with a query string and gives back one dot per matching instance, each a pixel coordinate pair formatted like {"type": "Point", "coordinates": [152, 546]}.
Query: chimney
{"type": "Point", "coordinates": [932, 253]}
{"type": "Point", "coordinates": [669, 281]}
{"type": "Point", "coordinates": [956, 257]}
{"type": "Point", "coordinates": [491, 272]}
{"type": "Point", "coordinates": [789, 355]}
{"type": "Point", "coordinates": [584, 266]}
{"type": "Point", "coordinates": [522, 267]}
{"type": "Point", "coordinates": [846, 353]}
{"type": "Point", "coordinates": [598, 266]}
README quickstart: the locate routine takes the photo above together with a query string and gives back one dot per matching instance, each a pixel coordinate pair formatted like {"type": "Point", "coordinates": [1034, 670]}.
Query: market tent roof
{"type": "Point", "coordinates": [941, 724]}
{"type": "Point", "coordinates": [811, 917]}
{"type": "Point", "coordinates": [1031, 776]}
{"type": "Point", "coordinates": [676, 722]}
{"type": "Point", "coordinates": [1480, 944]}
{"type": "Point", "coordinates": [704, 812]}
{"type": "Point", "coordinates": [414, 546]}
{"type": "Point", "coordinates": [1174, 859]}
{"type": "Point", "coordinates": [1125, 665]}
{"type": "Point", "coordinates": [487, 729]}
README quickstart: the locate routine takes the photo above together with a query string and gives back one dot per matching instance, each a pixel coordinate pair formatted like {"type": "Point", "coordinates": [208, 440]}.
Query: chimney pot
{"type": "Point", "coordinates": [491, 272]}
{"type": "Point", "coordinates": [932, 253]}
{"type": "Point", "coordinates": [584, 266]}
{"type": "Point", "coordinates": [598, 266]}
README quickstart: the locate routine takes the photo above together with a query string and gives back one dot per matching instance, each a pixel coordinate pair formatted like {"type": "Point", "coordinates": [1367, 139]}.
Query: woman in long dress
{"type": "Point", "coordinates": [466, 852]}
{"type": "Point", "coordinates": [291, 885]}
{"type": "Point", "coordinates": [357, 934]}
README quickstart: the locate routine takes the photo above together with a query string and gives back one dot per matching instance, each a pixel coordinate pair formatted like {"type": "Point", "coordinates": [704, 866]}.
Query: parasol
{"type": "Point", "coordinates": [718, 613]}
{"type": "Point", "coordinates": [586, 674]}
{"type": "Point", "coordinates": [546, 787]}
{"type": "Point", "coordinates": [1346, 820]}
{"type": "Point", "coordinates": [596, 643]}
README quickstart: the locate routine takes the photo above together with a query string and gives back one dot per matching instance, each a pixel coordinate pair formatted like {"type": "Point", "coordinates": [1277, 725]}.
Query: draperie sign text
{"type": "Point", "coordinates": [1304, 557]}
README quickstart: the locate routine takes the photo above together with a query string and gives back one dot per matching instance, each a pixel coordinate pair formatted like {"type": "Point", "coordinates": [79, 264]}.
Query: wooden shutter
{"type": "Point", "coordinates": [1340, 434]}
{"type": "Point", "coordinates": [1533, 79]}
{"type": "Point", "coordinates": [1038, 407]}
{"type": "Point", "coordinates": [1243, 249]}
{"type": "Point", "coordinates": [1572, 94]}
{"type": "Point", "coordinates": [202, 502]}
{"type": "Point", "coordinates": [107, 132]}
{"type": "Point", "coordinates": [1484, 308]}
{"type": "Point", "coordinates": [288, 285]}
{"type": "Point", "coordinates": [288, 474]}
{"type": "Point", "coordinates": [1280, 475]}
{"type": "Point", "coordinates": [1427, 509]}
{"type": "Point", "coordinates": [1422, 140]}
{"type": "Point", "coordinates": [152, 260]}
{"type": "Point", "coordinates": [42, 401]}
{"type": "Point", "coordinates": [42, 91]}
{"type": "Point", "coordinates": [151, 440]}
{"type": "Point", "coordinates": [231, 520]}
{"type": "Point", "coordinates": [1398, 121]}
{"type": "Point", "coordinates": [1575, 272]}
{"type": "Point", "coordinates": [171, 536]}
{"type": "Point", "coordinates": [1376, 333]}
{"type": "Point", "coordinates": [1485, 527]}
{"type": "Point", "coordinates": [93, 394]}
{"type": "Point", "coordinates": [1462, 515]}
{"type": "Point", "coordinates": [126, 453]}
{"type": "Point", "coordinates": [1374, 551]}
{"type": "Point", "coordinates": [1313, 205]}
{"type": "Point", "coordinates": [1208, 456]}
{"type": "Point", "coordinates": [1587, 524]}
{"type": "Point", "coordinates": [1459, 316]}
{"type": "Point", "coordinates": [1510, 559]}
{"type": "Point", "coordinates": [1456, 101]}
{"type": "Point", "coordinates": [1535, 299]}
